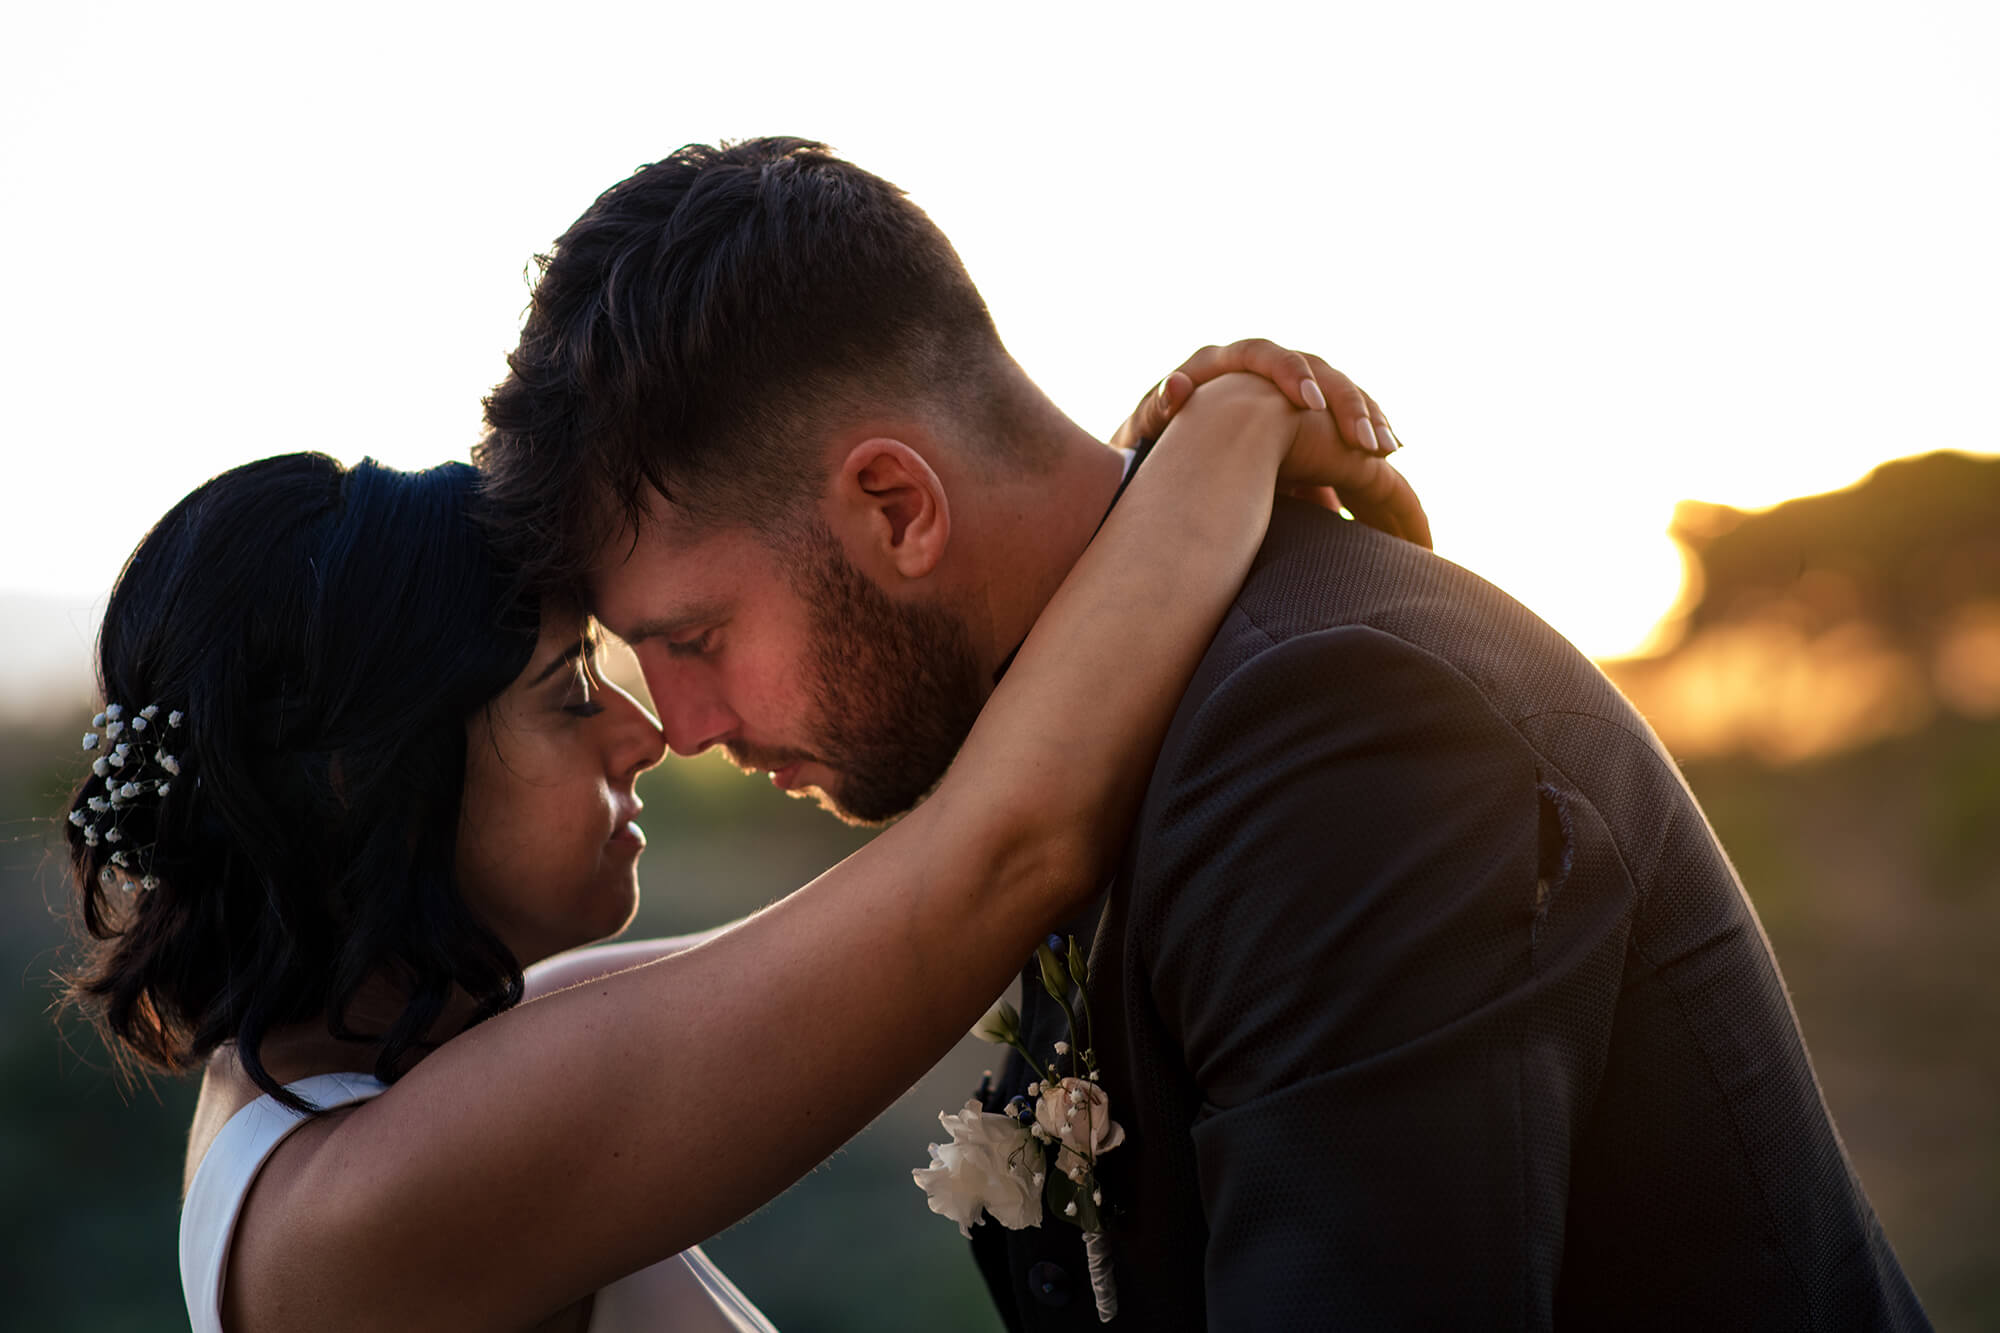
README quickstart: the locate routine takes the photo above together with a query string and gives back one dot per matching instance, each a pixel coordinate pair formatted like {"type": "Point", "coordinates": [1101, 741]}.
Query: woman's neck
{"type": "Point", "coordinates": [301, 1050]}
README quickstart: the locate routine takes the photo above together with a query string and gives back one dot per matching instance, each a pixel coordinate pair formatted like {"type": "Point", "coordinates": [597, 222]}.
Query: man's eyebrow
{"type": "Point", "coordinates": [563, 659]}
{"type": "Point", "coordinates": [676, 625]}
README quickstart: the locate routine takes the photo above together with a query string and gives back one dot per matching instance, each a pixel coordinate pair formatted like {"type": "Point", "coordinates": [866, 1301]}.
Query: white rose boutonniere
{"type": "Point", "coordinates": [999, 1164]}
{"type": "Point", "coordinates": [992, 1164]}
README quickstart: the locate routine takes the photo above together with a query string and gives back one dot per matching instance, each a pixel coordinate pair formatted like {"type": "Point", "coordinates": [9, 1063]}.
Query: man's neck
{"type": "Point", "coordinates": [1031, 528]}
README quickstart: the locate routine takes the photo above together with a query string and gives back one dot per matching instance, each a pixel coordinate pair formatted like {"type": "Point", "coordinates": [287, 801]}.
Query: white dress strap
{"type": "Point", "coordinates": [215, 1196]}
{"type": "Point", "coordinates": [685, 1293]}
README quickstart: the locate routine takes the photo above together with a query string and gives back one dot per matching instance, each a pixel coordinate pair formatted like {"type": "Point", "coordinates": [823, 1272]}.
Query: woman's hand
{"type": "Point", "coordinates": [1349, 455]}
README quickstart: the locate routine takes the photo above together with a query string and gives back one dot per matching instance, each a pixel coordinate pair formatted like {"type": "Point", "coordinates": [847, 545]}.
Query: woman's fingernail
{"type": "Point", "coordinates": [1365, 433]}
{"type": "Point", "coordinates": [1389, 433]}
{"type": "Point", "coordinates": [1309, 390]}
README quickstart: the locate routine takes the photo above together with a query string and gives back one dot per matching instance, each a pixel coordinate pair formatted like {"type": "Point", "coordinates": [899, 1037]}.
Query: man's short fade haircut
{"type": "Point", "coordinates": [700, 330]}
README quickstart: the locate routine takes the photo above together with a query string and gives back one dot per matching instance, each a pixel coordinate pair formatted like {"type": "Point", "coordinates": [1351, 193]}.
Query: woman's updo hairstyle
{"type": "Point", "coordinates": [326, 633]}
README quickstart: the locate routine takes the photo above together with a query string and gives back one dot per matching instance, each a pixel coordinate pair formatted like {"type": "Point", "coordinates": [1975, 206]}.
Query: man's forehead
{"type": "Point", "coordinates": [662, 578]}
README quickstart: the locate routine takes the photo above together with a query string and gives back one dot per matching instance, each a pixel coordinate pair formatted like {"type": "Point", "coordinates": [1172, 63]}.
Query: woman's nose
{"type": "Point", "coordinates": [640, 743]}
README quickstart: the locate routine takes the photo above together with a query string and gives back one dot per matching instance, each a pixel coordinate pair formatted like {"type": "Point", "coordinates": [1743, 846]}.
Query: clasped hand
{"type": "Point", "coordinates": [1339, 455]}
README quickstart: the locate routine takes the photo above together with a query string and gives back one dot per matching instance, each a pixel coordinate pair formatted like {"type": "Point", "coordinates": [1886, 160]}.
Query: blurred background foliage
{"type": "Point", "coordinates": [1833, 691]}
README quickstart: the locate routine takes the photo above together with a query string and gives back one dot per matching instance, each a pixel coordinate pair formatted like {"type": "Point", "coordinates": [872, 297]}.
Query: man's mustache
{"type": "Point", "coordinates": [752, 760]}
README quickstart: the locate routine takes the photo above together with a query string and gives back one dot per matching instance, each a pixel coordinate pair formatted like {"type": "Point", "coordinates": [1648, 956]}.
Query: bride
{"type": "Point", "coordinates": [344, 790]}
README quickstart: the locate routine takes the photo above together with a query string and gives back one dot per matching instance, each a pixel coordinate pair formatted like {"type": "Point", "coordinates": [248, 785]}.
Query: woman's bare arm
{"type": "Point", "coordinates": [601, 960]}
{"type": "Point", "coordinates": [572, 1140]}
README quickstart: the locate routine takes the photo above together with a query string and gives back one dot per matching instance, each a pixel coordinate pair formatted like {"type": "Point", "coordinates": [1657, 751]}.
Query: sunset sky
{"type": "Point", "coordinates": [1592, 259]}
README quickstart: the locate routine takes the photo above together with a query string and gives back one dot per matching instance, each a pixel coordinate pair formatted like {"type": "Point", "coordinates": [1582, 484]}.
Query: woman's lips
{"type": "Point", "coordinates": [630, 832]}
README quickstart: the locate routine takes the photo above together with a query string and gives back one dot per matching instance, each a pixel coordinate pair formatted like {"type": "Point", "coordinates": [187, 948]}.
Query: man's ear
{"type": "Point", "coordinates": [893, 507]}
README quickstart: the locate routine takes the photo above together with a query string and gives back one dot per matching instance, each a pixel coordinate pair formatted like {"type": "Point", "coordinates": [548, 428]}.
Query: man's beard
{"type": "Point", "coordinates": [895, 690]}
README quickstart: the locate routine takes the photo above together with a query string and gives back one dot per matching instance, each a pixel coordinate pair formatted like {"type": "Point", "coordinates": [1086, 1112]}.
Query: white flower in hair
{"type": "Point", "coordinates": [150, 711]}
{"type": "Point", "coordinates": [97, 804]}
{"type": "Point", "coordinates": [90, 837]}
{"type": "Point", "coordinates": [113, 835]}
{"type": "Point", "coordinates": [114, 731]}
{"type": "Point", "coordinates": [138, 724]}
{"type": "Point", "coordinates": [100, 766]}
{"type": "Point", "coordinates": [76, 817]}
{"type": "Point", "coordinates": [118, 858]}
{"type": "Point", "coordinates": [90, 741]}
{"type": "Point", "coordinates": [164, 788]}
{"type": "Point", "coordinates": [97, 721]}
{"type": "Point", "coordinates": [149, 882]}
{"type": "Point", "coordinates": [174, 718]}
{"type": "Point", "coordinates": [171, 764]}
{"type": "Point", "coordinates": [112, 712]}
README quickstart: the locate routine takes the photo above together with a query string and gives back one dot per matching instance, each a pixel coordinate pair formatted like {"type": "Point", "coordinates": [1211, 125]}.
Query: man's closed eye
{"type": "Point", "coordinates": [700, 646]}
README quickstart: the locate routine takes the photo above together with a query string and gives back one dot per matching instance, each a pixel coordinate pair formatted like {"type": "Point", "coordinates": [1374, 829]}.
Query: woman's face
{"type": "Point", "coordinates": [548, 850]}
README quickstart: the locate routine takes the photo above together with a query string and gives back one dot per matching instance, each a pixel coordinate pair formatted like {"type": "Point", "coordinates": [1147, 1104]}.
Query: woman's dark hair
{"type": "Point", "coordinates": [326, 632]}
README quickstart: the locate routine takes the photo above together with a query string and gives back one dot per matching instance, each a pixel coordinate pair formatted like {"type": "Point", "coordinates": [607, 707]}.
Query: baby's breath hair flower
{"type": "Point", "coordinates": [132, 769]}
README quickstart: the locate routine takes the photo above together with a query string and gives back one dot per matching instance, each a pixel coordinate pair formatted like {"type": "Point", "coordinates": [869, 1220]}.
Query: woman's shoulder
{"type": "Point", "coordinates": [225, 1090]}
{"type": "Point", "coordinates": [233, 1138]}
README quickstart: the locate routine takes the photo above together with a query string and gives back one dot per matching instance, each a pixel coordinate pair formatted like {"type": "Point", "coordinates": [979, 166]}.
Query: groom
{"type": "Point", "coordinates": [1423, 991]}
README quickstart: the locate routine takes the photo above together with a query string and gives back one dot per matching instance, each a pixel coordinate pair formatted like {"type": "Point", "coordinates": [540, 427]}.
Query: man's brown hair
{"type": "Point", "coordinates": [701, 327]}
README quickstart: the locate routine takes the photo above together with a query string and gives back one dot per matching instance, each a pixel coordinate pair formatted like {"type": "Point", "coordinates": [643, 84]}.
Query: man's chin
{"type": "Point", "coordinates": [832, 803]}
{"type": "Point", "coordinates": [868, 805]}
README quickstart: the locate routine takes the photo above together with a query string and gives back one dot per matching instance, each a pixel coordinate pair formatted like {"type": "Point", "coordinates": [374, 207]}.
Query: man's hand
{"type": "Point", "coordinates": [1370, 489]}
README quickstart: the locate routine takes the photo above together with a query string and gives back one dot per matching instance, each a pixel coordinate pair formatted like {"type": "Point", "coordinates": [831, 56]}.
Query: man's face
{"type": "Point", "coordinates": [791, 659]}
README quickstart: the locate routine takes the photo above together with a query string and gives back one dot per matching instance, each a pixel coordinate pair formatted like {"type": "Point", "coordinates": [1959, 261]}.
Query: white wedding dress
{"type": "Point", "coordinates": [684, 1294]}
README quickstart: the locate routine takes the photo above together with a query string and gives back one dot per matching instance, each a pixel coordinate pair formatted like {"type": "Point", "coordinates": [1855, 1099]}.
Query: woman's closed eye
{"type": "Point", "coordinates": [584, 685]}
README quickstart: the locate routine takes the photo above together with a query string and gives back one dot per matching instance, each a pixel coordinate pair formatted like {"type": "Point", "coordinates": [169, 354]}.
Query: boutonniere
{"type": "Point", "coordinates": [1042, 1153]}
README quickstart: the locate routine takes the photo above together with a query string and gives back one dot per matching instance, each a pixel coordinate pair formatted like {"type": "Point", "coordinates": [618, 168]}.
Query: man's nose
{"type": "Point", "coordinates": [693, 717]}
{"type": "Point", "coordinates": [689, 731]}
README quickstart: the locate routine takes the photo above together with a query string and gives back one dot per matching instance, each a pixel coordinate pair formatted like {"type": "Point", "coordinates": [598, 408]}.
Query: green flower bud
{"type": "Point", "coordinates": [1054, 980]}
{"type": "Point", "coordinates": [1079, 967]}
{"type": "Point", "coordinates": [1001, 1024]}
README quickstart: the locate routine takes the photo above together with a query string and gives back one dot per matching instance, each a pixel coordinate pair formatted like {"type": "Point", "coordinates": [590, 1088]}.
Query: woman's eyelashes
{"type": "Point", "coordinates": [580, 695]}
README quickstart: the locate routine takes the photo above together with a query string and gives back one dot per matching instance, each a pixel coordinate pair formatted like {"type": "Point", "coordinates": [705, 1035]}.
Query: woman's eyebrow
{"type": "Point", "coordinates": [568, 655]}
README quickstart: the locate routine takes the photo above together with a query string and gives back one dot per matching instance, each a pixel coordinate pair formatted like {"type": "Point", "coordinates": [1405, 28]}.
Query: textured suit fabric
{"type": "Point", "coordinates": [1429, 1000]}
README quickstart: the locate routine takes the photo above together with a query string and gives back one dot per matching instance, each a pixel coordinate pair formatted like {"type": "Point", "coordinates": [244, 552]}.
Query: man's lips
{"type": "Point", "coordinates": [784, 779]}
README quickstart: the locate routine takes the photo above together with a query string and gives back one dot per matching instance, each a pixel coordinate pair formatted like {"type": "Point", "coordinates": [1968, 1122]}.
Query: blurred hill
{"type": "Point", "coordinates": [1832, 692]}
{"type": "Point", "coordinates": [1833, 620]}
